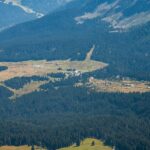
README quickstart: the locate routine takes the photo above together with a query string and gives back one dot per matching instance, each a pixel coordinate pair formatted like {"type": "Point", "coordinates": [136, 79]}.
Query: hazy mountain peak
{"type": "Point", "coordinates": [27, 9]}
{"type": "Point", "coordinates": [98, 12]}
{"type": "Point", "coordinates": [120, 15]}
{"type": "Point", "coordinates": [18, 11]}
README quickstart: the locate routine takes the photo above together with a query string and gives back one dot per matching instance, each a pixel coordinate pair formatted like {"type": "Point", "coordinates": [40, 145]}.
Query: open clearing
{"type": "Point", "coordinates": [28, 88]}
{"type": "Point", "coordinates": [42, 68]}
{"type": "Point", "coordinates": [20, 148]}
{"type": "Point", "coordinates": [87, 145]}
{"type": "Point", "coordinates": [69, 68]}
{"type": "Point", "coordinates": [122, 86]}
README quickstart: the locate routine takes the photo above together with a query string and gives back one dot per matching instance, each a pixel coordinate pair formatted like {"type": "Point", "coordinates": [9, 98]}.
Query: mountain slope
{"type": "Point", "coordinates": [121, 15]}
{"type": "Point", "coordinates": [57, 103]}
{"type": "Point", "coordinates": [17, 11]}
{"type": "Point", "coordinates": [69, 34]}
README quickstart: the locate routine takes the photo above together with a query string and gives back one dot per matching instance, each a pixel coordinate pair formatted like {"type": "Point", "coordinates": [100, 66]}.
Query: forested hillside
{"type": "Point", "coordinates": [58, 117]}
{"type": "Point", "coordinates": [58, 36]}
{"type": "Point", "coordinates": [48, 66]}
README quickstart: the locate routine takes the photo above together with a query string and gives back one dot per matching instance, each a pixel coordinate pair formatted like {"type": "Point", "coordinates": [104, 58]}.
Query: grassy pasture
{"type": "Point", "coordinates": [87, 145]}
{"type": "Point", "coordinates": [43, 67]}
{"type": "Point", "coordinates": [25, 147]}
{"type": "Point", "coordinates": [84, 145]}
{"type": "Point", "coordinates": [122, 86]}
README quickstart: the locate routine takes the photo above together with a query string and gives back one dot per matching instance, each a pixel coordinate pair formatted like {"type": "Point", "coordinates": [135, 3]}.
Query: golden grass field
{"type": "Point", "coordinates": [20, 148]}
{"type": "Point", "coordinates": [27, 88]}
{"type": "Point", "coordinates": [43, 67]}
{"type": "Point", "coordinates": [86, 145]}
{"type": "Point", "coordinates": [122, 86]}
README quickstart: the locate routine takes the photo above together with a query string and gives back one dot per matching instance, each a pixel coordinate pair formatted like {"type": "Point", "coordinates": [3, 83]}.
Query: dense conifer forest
{"type": "Point", "coordinates": [56, 118]}
{"type": "Point", "coordinates": [58, 113]}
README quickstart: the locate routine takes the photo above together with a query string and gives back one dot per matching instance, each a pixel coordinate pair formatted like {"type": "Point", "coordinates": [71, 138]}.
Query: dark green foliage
{"type": "Point", "coordinates": [61, 114]}
{"type": "Point", "coordinates": [32, 148]}
{"type": "Point", "coordinates": [57, 75]}
{"type": "Point", "coordinates": [19, 82]}
{"type": "Point", "coordinates": [93, 143]}
{"type": "Point", "coordinates": [124, 132]}
{"type": "Point", "coordinates": [127, 53]}
{"type": "Point", "coordinates": [78, 142]}
{"type": "Point", "coordinates": [60, 117]}
{"type": "Point", "coordinates": [2, 68]}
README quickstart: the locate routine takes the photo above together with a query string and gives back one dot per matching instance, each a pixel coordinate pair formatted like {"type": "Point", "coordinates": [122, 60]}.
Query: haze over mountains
{"type": "Point", "coordinates": [18, 11]}
{"type": "Point", "coordinates": [119, 14]}
{"type": "Point", "coordinates": [70, 32]}
{"type": "Point", "coordinates": [72, 69]}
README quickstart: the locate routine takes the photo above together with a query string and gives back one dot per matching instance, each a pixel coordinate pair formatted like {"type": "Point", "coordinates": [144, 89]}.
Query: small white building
{"type": "Point", "coordinates": [91, 79]}
{"type": "Point", "coordinates": [77, 73]}
{"type": "Point", "coordinates": [114, 148]}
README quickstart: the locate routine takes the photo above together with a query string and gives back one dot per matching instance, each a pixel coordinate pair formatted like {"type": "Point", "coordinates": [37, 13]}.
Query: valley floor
{"type": "Point", "coordinates": [70, 69]}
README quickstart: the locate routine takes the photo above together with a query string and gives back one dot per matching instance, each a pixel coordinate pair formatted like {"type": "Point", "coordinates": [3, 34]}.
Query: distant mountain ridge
{"type": "Point", "coordinates": [121, 40]}
{"type": "Point", "coordinates": [17, 11]}
{"type": "Point", "coordinates": [120, 15]}
{"type": "Point", "coordinates": [52, 98]}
